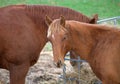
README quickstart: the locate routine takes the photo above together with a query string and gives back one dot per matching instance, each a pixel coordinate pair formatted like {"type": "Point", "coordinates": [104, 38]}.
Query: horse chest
{"type": "Point", "coordinates": [97, 67]}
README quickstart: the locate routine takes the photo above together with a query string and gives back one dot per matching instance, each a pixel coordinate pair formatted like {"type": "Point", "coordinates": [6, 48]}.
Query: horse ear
{"type": "Point", "coordinates": [94, 19]}
{"type": "Point", "coordinates": [48, 20]}
{"type": "Point", "coordinates": [62, 21]}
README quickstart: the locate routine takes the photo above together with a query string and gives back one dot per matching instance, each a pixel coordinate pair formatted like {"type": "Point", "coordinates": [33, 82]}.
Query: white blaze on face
{"type": "Point", "coordinates": [53, 36]}
{"type": "Point", "coordinates": [49, 32]}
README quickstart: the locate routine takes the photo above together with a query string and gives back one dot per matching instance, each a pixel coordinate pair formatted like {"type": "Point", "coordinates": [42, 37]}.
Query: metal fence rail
{"type": "Point", "coordinates": [71, 78]}
{"type": "Point", "coordinates": [114, 20]}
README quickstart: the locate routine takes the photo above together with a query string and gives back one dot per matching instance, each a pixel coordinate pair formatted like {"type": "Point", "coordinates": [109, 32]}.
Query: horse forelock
{"type": "Point", "coordinates": [55, 27]}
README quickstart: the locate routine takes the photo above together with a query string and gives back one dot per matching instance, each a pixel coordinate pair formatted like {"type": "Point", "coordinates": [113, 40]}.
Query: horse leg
{"type": "Point", "coordinates": [18, 73]}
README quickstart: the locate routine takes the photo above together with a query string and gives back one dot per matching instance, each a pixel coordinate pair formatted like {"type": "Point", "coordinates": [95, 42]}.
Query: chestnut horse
{"type": "Point", "coordinates": [23, 34]}
{"type": "Point", "coordinates": [97, 44]}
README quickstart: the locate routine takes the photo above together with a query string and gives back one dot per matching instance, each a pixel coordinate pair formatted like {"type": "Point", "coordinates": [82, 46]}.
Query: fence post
{"type": "Point", "coordinates": [115, 22]}
{"type": "Point", "coordinates": [78, 61]}
{"type": "Point", "coordinates": [64, 73]}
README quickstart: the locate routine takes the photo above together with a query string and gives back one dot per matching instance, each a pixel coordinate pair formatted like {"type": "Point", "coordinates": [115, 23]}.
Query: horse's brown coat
{"type": "Point", "coordinates": [23, 34]}
{"type": "Point", "coordinates": [98, 44]}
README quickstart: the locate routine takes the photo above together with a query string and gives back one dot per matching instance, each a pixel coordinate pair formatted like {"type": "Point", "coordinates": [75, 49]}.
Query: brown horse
{"type": "Point", "coordinates": [23, 34]}
{"type": "Point", "coordinates": [97, 44]}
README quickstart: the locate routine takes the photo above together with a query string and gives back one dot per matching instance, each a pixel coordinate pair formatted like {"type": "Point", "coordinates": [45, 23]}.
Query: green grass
{"type": "Point", "coordinates": [47, 47]}
{"type": "Point", "coordinates": [10, 2]}
{"type": "Point", "coordinates": [105, 8]}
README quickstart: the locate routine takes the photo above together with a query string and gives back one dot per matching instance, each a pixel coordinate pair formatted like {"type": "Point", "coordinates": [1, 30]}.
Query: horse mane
{"type": "Point", "coordinates": [55, 27]}
{"type": "Point", "coordinates": [104, 31]}
{"type": "Point", "coordinates": [55, 11]}
{"type": "Point", "coordinates": [38, 13]}
{"type": "Point", "coordinates": [98, 31]}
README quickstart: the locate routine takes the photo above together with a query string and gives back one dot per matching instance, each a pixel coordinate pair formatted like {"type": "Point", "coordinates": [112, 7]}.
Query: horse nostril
{"type": "Point", "coordinates": [59, 63]}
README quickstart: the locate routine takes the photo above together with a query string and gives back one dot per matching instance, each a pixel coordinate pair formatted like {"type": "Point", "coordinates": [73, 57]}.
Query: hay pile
{"type": "Point", "coordinates": [86, 75]}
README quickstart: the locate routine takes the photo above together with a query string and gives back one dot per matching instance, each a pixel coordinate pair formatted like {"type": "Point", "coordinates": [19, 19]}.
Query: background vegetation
{"type": "Point", "coordinates": [105, 8]}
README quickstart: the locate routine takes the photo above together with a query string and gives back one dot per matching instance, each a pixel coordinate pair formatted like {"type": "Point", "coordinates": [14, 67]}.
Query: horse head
{"type": "Point", "coordinates": [58, 35]}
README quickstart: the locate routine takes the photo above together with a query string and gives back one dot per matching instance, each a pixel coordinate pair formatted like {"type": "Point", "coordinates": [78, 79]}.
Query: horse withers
{"type": "Point", "coordinates": [97, 44]}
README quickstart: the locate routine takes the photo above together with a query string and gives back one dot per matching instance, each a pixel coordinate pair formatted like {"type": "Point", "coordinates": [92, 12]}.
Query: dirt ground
{"type": "Point", "coordinates": [44, 72]}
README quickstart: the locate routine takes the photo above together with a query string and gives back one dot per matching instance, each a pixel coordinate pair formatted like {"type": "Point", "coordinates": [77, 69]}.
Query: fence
{"type": "Point", "coordinates": [114, 20]}
{"type": "Point", "coordinates": [63, 76]}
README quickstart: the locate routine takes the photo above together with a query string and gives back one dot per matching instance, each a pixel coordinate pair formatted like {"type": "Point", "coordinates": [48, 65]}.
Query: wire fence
{"type": "Point", "coordinates": [63, 76]}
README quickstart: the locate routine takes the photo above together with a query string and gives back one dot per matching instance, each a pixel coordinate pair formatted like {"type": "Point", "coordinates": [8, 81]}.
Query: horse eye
{"type": "Point", "coordinates": [64, 38]}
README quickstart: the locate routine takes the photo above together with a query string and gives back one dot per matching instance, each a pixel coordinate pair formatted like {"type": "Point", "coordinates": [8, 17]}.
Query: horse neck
{"type": "Point", "coordinates": [89, 36]}
{"type": "Point", "coordinates": [81, 36]}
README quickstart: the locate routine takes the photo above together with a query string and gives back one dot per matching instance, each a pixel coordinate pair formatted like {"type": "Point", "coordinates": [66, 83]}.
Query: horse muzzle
{"type": "Point", "coordinates": [58, 64]}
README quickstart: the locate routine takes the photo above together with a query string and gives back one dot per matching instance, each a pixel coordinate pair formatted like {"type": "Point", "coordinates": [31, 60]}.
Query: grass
{"type": "Point", "coordinates": [105, 8]}
{"type": "Point", "coordinates": [47, 47]}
